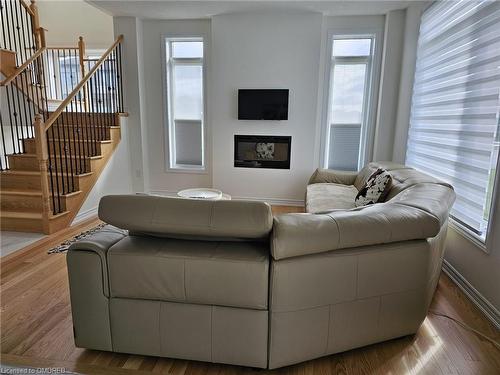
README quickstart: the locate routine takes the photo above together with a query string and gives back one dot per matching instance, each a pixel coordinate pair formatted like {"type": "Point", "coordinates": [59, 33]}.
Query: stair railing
{"type": "Point", "coordinates": [21, 31]}
{"type": "Point", "coordinates": [74, 130]}
{"type": "Point", "coordinates": [22, 96]}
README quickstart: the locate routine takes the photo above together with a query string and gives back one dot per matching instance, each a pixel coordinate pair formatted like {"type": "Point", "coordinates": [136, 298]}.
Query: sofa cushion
{"type": "Point", "coordinates": [326, 197]}
{"type": "Point", "coordinates": [375, 189]}
{"type": "Point", "coordinates": [368, 170]}
{"type": "Point", "coordinates": [204, 272]}
{"type": "Point", "coordinates": [188, 218]}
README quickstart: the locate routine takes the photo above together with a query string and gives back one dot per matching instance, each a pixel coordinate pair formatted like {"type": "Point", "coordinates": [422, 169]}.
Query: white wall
{"type": "Point", "coordinates": [244, 50]}
{"type": "Point", "coordinates": [411, 31]}
{"type": "Point", "coordinates": [67, 20]}
{"type": "Point", "coordinates": [389, 85]}
{"type": "Point", "coordinates": [160, 179]}
{"type": "Point", "coordinates": [134, 98]}
{"type": "Point", "coordinates": [265, 51]}
{"type": "Point", "coordinates": [114, 179]}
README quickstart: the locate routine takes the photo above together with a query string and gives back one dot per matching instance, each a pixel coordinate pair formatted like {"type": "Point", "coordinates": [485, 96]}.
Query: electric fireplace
{"type": "Point", "coordinates": [262, 151]}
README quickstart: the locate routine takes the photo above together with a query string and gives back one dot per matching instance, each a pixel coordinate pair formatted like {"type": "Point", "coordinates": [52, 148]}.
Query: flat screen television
{"type": "Point", "coordinates": [263, 104]}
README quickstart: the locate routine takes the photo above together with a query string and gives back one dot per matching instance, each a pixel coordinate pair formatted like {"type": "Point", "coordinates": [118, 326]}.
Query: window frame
{"type": "Point", "coordinates": [169, 117]}
{"type": "Point", "coordinates": [370, 98]}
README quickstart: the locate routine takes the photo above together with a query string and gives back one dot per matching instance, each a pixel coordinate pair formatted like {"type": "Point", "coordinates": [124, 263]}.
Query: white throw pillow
{"type": "Point", "coordinates": [376, 188]}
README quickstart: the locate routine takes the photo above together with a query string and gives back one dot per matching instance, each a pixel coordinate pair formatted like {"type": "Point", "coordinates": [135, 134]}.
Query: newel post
{"type": "Point", "coordinates": [43, 157]}
{"type": "Point", "coordinates": [39, 39]}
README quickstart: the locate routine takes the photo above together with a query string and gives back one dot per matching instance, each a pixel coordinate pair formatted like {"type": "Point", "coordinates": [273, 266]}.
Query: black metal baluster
{"type": "Point", "coordinates": [7, 22]}
{"type": "Point", "coordinates": [98, 102]}
{"type": "Point", "coordinates": [76, 125]}
{"type": "Point", "coordinates": [26, 34]}
{"type": "Point", "coordinates": [109, 101]}
{"type": "Point", "coordinates": [33, 37]}
{"type": "Point", "coordinates": [16, 116]}
{"type": "Point", "coordinates": [4, 42]}
{"type": "Point", "coordinates": [88, 145]}
{"type": "Point", "coordinates": [61, 147]}
{"type": "Point", "coordinates": [71, 149]}
{"type": "Point", "coordinates": [51, 167]}
{"type": "Point", "coordinates": [4, 153]}
{"type": "Point", "coordinates": [56, 166]}
{"type": "Point", "coordinates": [115, 80]}
{"type": "Point", "coordinates": [67, 139]}
{"type": "Point", "coordinates": [120, 77]}
{"type": "Point", "coordinates": [102, 101]}
{"type": "Point", "coordinates": [55, 64]}
{"type": "Point", "coordinates": [30, 69]}
{"type": "Point", "coordinates": [18, 58]}
{"type": "Point", "coordinates": [11, 118]}
{"type": "Point", "coordinates": [44, 84]}
{"type": "Point", "coordinates": [71, 129]}
{"type": "Point", "coordinates": [22, 52]}
{"type": "Point", "coordinates": [27, 120]}
{"type": "Point", "coordinates": [93, 119]}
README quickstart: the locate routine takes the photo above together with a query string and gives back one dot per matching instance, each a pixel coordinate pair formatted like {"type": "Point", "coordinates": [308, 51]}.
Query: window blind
{"type": "Point", "coordinates": [454, 120]}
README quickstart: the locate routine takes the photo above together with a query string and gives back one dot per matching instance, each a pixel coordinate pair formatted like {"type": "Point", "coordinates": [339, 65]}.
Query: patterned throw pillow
{"type": "Point", "coordinates": [376, 188]}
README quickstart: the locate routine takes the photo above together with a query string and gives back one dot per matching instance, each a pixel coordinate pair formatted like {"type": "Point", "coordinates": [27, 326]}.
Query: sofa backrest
{"type": "Point", "coordinates": [417, 207]}
{"type": "Point", "coordinates": [403, 177]}
{"type": "Point", "coordinates": [177, 217]}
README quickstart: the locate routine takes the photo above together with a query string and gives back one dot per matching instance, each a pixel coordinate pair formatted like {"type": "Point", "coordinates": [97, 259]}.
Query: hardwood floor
{"type": "Point", "coordinates": [36, 330]}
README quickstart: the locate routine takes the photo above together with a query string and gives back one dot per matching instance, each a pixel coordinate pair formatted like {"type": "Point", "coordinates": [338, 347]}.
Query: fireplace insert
{"type": "Point", "coordinates": [262, 151]}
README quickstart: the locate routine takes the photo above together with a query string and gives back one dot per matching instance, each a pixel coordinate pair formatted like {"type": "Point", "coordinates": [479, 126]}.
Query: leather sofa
{"type": "Point", "coordinates": [225, 282]}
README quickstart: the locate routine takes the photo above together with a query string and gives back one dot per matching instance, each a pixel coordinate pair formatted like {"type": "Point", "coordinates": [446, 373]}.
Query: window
{"type": "Point", "coordinates": [185, 103]}
{"type": "Point", "coordinates": [348, 98]}
{"type": "Point", "coordinates": [454, 122]}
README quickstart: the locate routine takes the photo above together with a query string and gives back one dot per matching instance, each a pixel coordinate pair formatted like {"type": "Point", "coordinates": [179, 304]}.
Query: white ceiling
{"type": "Point", "coordinates": [170, 9]}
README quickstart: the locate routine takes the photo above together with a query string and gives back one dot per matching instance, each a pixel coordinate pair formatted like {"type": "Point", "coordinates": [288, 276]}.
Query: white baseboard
{"type": "Point", "coordinates": [81, 216]}
{"type": "Point", "coordinates": [472, 293]}
{"type": "Point", "coordinates": [272, 201]}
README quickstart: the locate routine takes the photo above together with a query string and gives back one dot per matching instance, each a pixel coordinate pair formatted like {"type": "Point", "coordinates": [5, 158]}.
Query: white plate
{"type": "Point", "coordinates": [201, 193]}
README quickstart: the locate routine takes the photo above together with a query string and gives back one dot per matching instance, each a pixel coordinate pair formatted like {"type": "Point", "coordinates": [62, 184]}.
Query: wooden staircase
{"type": "Point", "coordinates": [21, 198]}
{"type": "Point", "coordinates": [50, 158]}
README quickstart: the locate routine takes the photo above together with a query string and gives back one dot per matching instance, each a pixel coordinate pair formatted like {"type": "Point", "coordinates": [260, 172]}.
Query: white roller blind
{"type": "Point", "coordinates": [454, 120]}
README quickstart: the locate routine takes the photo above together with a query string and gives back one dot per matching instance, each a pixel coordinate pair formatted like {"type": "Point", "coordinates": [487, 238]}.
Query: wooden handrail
{"type": "Point", "coordinates": [27, 7]}
{"type": "Point", "coordinates": [78, 87]}
{"type": "Point", "coordinates": [19, 70]}
{"type": "Point", "coordinates": [62, 47]}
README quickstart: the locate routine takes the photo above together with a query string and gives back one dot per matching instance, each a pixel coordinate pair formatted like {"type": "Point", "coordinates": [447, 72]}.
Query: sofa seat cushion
{"type": "Point", "coordinates": [200, 272]}
{"type": "Point", "coordinates": [325, 197]}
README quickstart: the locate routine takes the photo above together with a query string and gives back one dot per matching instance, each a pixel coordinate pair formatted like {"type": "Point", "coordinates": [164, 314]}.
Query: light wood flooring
{"type": "Point", "coordinates": [36, 330]}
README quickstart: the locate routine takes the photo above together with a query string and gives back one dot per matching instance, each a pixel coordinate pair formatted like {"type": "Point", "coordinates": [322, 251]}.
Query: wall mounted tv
{"type": "Point", "coordinates": [263, 104]}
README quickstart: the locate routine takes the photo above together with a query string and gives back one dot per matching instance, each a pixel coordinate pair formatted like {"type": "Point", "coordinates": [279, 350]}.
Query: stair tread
{"type": "Point", "coordinates": [26, 192]}
{"type": "Point", "coordinates": [20, 215]}
{"type": "Point", "coordinates": [14, 191]}
{"type": "Point", "coordinates": [28, 215]}
{"type": "Point", "coordinates": [84, 126]}
{"type": "Point", "coordinates": [29, 155]}
{"type": "Point", "coordinates": [37, 173]}
{"type": "Point", "coordinates": [81, 140]}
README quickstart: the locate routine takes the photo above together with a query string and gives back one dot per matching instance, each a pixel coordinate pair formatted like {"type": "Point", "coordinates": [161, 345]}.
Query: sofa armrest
{"type": "Point", "coordinates": [333, 176]}
{"type": "Point", "coordinates": [98, 243]}
{"type": "Point", "coordinates": [89, 290]}
{"type": "Point", "coordinates": [304, 234]}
